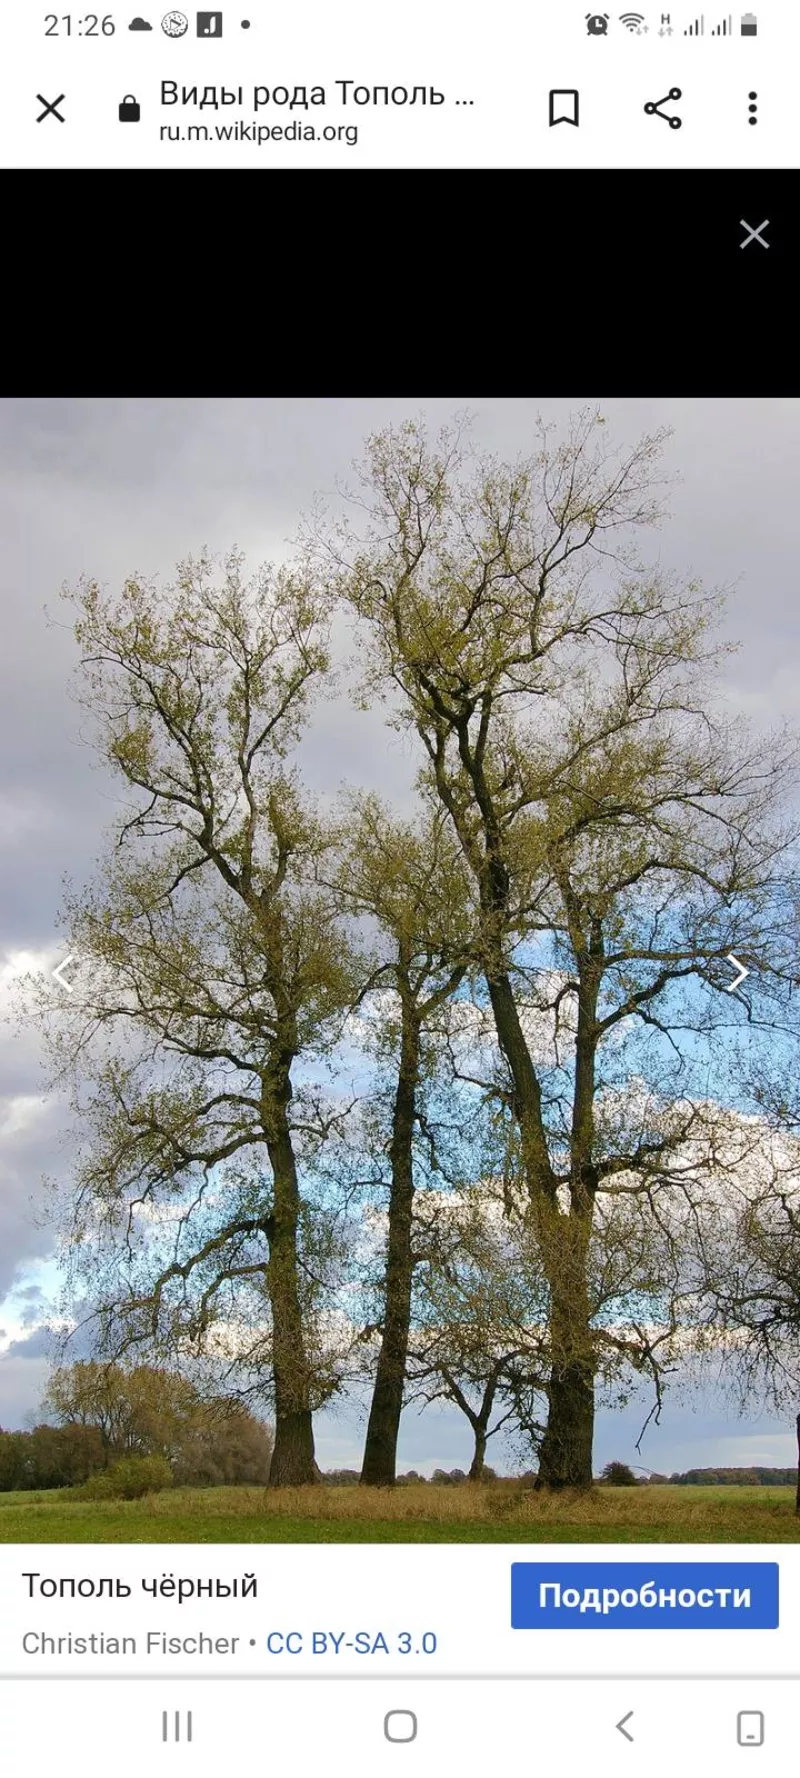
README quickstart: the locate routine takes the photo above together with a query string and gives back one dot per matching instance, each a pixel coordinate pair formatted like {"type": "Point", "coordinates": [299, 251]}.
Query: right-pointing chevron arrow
{"type": "Point", "coordinates": [741, 973]}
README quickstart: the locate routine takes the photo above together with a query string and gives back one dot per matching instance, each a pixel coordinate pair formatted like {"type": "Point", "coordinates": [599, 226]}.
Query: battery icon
{"type": "Point", "coordinates": [749, 24]}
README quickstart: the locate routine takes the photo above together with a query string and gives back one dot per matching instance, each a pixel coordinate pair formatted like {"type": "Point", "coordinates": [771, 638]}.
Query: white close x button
{"type": "Point", "coordinates": [754, 234]}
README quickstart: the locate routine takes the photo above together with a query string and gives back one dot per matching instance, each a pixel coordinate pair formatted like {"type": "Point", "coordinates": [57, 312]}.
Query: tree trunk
{"type": "Point", "coordinates": [479, 1455]}
{"type": "Point", "coordinates": [379, 1465]}
{"type": "Point", "coordinates": [565, 1457]}
{"type": "Point", "coordinates": [293, 1457]}
{"type": "Point", "coordinates": [293, 1463]}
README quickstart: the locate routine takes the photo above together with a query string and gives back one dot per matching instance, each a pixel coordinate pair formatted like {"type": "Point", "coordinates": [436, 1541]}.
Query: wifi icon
{"type": "Point", "coordinates": [632, 21]}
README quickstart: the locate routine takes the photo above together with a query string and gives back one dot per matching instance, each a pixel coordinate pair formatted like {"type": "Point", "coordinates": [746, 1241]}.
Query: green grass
{"type": "Point", "coordinates": [505, 1512]}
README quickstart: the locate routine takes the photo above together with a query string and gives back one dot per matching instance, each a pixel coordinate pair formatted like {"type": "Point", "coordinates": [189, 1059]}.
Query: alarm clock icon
{"type": "Point", "coordinates": [597, 24]}
{"type": "Point", "coordinates": [174, 24]}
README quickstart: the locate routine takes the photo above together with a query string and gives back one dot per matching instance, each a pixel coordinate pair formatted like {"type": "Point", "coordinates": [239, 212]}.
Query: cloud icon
{"type": "Point", "coordinates": [139, 25]}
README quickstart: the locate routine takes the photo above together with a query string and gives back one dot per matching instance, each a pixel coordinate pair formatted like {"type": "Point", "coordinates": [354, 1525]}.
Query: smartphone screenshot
{"type": "Point", "coordinates": [400, 1157]}
{"type": "Point", "coordinates": [400, 821]}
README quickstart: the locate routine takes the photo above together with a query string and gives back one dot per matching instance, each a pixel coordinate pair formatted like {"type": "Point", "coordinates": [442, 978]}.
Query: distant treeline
{"type": "Point", "coordinates": [714, 1478]}
{"type": "Point", "coordinates": [774, 1478]}
{"type": "Point", "coordinates": [441, 1478]}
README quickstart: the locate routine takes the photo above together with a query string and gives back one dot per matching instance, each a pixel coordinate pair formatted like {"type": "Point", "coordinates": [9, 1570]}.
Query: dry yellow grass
{"type": "Point", "coordinates": [503, 1512]}
{"type": "Point", "coordinates": [505, 1503]}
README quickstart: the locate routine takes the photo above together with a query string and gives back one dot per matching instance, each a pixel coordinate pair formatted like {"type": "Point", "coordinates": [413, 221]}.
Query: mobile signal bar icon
{"type": "Point", "coordinates": [725, 29]}
{"type": "Point", "coordinates": [698, 28]}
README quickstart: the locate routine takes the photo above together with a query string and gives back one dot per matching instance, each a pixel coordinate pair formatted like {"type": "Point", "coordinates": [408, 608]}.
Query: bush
{"type": "Point", "coordinates": [618, 1475]}
{"type": "Point", "coordinates": [129, 1479]}
{"type": "Point", "coordinates": [224, 1444]}
{"type": "Point", "coordinates": [146, 1411]}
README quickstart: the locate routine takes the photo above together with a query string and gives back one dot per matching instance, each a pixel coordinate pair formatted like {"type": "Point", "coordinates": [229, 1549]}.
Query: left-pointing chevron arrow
{"type": "Point", "coordinates": [59, 976]}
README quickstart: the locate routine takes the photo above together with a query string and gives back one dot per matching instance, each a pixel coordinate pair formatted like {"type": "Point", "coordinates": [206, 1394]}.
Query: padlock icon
{"type": "Point", "coordinates": [129, 111]}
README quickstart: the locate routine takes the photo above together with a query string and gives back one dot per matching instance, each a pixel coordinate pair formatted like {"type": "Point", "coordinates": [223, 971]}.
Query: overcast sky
{"type": "Point", "coordinates": [111, 488]}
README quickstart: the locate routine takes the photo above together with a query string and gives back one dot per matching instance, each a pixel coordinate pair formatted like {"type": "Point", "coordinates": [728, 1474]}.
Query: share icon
{"type": "Point", "coordinates": [653, 109]}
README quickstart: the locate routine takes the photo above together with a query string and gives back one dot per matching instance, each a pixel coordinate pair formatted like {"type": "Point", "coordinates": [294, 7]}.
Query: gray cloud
{"type": "Point", "coordinates": [31, 1149]}
{"type": "Point", "coordinates": [39, 1343]}
{"type": "Point", "coordinates": [22, 1385]}
{"type": "Point", "coordinates": [31, 1301]}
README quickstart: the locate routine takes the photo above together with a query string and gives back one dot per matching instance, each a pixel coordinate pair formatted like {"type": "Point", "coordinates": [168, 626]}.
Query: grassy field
{"type": "Point", "coordinates": [505, 1512]}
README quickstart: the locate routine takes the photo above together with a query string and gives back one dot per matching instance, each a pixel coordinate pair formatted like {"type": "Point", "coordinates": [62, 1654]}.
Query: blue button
{"type": "Point", "coordinates": [644, 1595]}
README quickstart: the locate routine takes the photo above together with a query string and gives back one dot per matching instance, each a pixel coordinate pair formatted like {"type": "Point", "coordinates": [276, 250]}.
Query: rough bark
{"type": "Point", "coordinates": [379, 1465]}
{"type": "Point", "coordinates": [293, 1461]}
{"type": "Point", "coordinates": [476, 1467]}
{"type": "Point", "coordinates": [565, 1457]}
{"type": "Point", "coordinates": [293, 1457]}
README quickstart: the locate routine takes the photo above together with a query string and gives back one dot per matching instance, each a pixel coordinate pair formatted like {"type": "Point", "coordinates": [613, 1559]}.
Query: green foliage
{"type": "Point", "coordinates": [225, 1444]}
{"type": "Point", "coordinates": [147, 1411]}
{"type": "Point", "coordinates": [49, 1457]}
{"type": "Point", "coordinates": [129, 1479]}
{"type": "Point", "coordinates": [619, 1475]}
